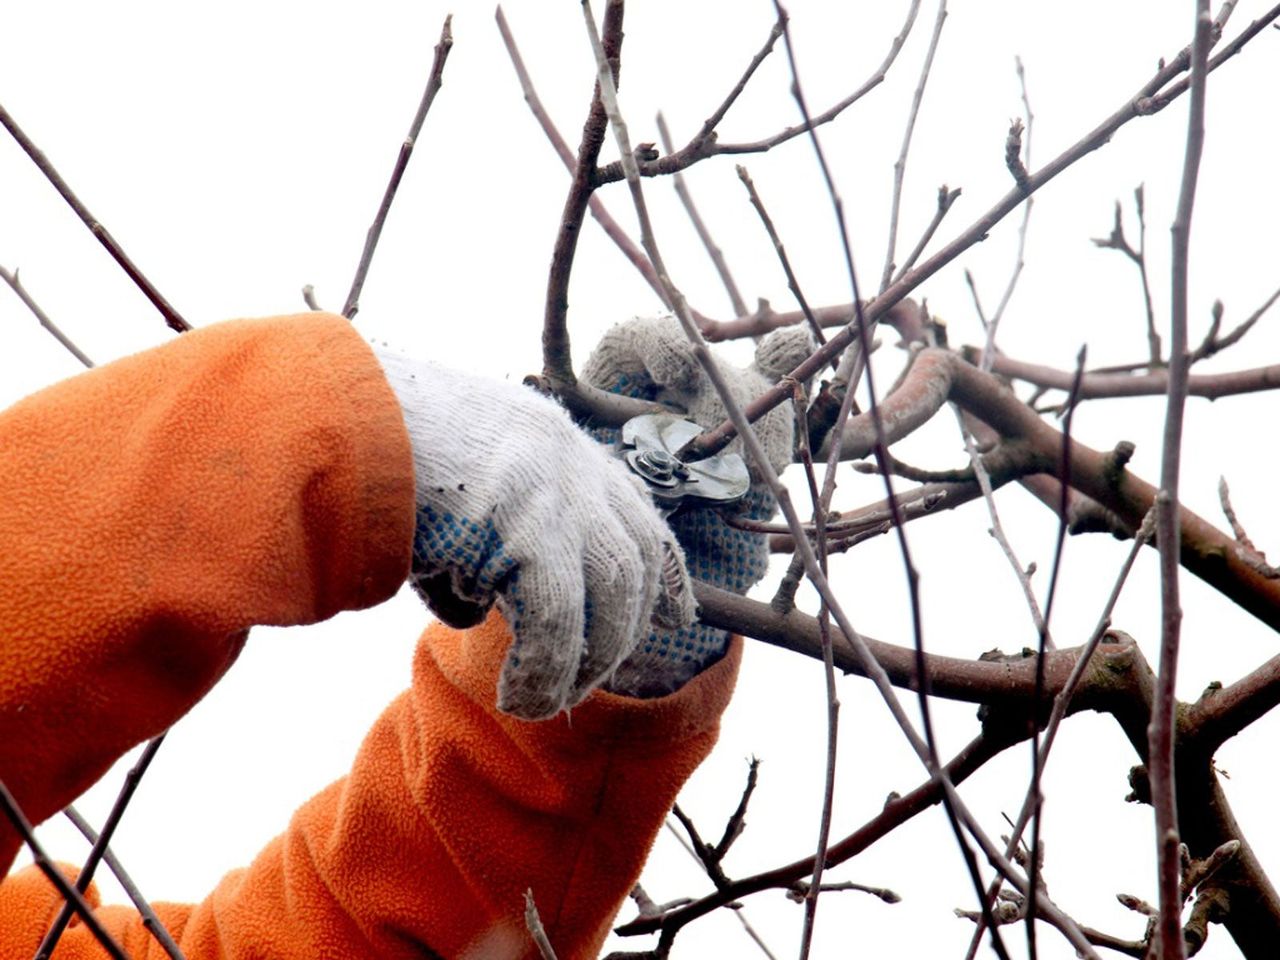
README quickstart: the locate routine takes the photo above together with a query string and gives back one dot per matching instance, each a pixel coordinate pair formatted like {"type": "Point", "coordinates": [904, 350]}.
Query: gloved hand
{"type": "Point", "coordinates": [651, 358]}
{"type": "Point", "coordinates": [517, 505]}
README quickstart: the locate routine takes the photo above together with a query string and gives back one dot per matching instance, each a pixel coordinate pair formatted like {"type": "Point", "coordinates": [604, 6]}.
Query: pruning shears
{"type": "Point", "coordinates": [648, 446]}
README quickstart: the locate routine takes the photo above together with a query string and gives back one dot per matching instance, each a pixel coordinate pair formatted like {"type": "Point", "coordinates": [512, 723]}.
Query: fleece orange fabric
{"type": "Point", "coordinates": [253, 472]}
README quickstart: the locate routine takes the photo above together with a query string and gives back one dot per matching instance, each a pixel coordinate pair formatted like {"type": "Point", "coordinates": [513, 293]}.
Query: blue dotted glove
{"type": "Point", "coordinates": [653, 360]}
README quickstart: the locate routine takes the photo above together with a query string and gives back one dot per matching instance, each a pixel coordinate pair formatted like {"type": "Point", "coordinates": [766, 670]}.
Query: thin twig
{"type": "Point", "coordinates": [709, 244]}
{"type": "Point", "coordinates": [1228, 511]}
{"type": "Point", "coordinates": [1142, 103]}
{"type": "Point", "coordinates": [1160, 100]}
{"type": "Point", "coordinates": [900, 165]}
{"type": "Point", "coordinates": [1044, 644]}
{"type": "Point", "coordinates": [16, 285]}
{"type": "Point", "coordinates": [1019, 160]}
{"type": "Point", "coordinates": [881, 893]}
{"type": "Point", "coordinates": [148, 914]}
{"type": "Point", "coordinates": [821, 505]}
{"type": "Point", "coordinates": [705, 145]}
{"type": "Point", "coordinates": [703, 852]}
{"type": "Point", "coordinates": [598, 210]}
{"type": "Point", "coordinates": [751, 932]}
{"type": "Point", "coordinates": [713, 121]}
{"type": "Point", "coordinates": [1153, 335]}
{"type": "Point", "coordinates": [1145, 102]}
{"type": "Point", "coordinates": [792, 283]}
{"type": "Point", "coordinates": [557, 359]}
{"type": "Point", "coordinates": [1160, 763]}
{"type": "Point", "coordinates": [131, 781]}
{"type": "Point", "coordinates": [926, 748]}
{"type": "Point", "coordinates": [1020, 572]}
{"type": "Point", "coordinates": [1119, 242]}
{"type": "Point", "coordinates": [1214, 344]}
{"type": "Point", "coordinates": [1062, 702]}
{"type": "Point", "coordinates": [1106, 386]}
{"type": "Point", "coordinates": [434, 81]}
{"type": "Point", "coordinates": [709, 858]}
{"type": "Point", "coordinates": [309, 297]}
{"type": "Point", "coordinates": [42, 162]}
{"type": "Point", "coordinates": [22, 826]}
{"type": "Point", "coordinates": [737, 820]}
{"type": "Point", "coordinates": [533, 923]}
{"type": "Point", "coordinates": [946, 198]}
{"type": "Point", "coordinates": [1254, 557]}
{"type": "Point", "coordinates": [896, 812]}
{"type": "Point", "coordinates": [977, 299]}
{"type": "Point", "coordinates": [751, 441]}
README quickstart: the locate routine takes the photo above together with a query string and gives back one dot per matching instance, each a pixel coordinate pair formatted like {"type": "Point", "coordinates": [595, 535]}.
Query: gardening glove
{"type": "Point", "coordinates": [651, 358]}
{"type": "Point", "coordinates": [517, 505]}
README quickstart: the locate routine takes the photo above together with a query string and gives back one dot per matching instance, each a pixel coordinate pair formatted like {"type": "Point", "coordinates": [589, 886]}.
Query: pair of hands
{"type": "Point", "coordinates": [517, 505]}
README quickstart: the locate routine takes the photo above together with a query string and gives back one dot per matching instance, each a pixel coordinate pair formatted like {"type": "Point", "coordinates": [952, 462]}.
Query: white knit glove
{"type": "Point", "coordinates": [651, 358]}
{"type": "Point", "coordinates": [517, 505]}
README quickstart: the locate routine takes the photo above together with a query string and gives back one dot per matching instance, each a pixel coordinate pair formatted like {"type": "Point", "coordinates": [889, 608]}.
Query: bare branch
{"type": "Point", "coordinates": [1020, 572]}
{"type": "Point", "coordinates": [900, 165]}
{"type": "Point", "coordinates": [737, 820]}
{"type": "Point", "coordinates": [946, 198]}
{"type": "Point", "coordinates": [792, 283]}
{"type": "Point", "coordinates": [434, 81]}
{"type": "Point", "coordinates": [1096, 386]}
{"type": "Point", "coordinates": [557, 360]}
{"type": "Point", "coordinates": [1253, 556]}
{"type": "Point", "coordinates": [736, 302]}
{"type": "Point", "coordinates": [801, 890]}
{"type": "Point", "coordinates": [897, 811]}
{"type": "Point", "coordinates": [42, 162]}
{"type": "Point", "coordinates": [1017, 158]}
{"type": "Point", "coordinates": [16, 285]}
{"type": "Point", "coordinates": [1062, 704]}
{"type": "Point", "coordinates": [1213, 343]}
{"type": "Point", "coordinates": [131, 781]}
{"type": "Point", "coordinates": [704, 144]}
{"type": "Point", "coordinates": [1119, 242]}
{"type": "Point", "coordinates": [1222, 712]}
{"type": "Point", "coordinates": [22, 827]}
{"type": "Point", "coordinates": [533, 923]}
{"type": "Point", "coordinates": [756, 452]}
{"type": "Point", "coordinates": [1141, 104]}
{"type": "Point", "coordinates": [598, 210]}
{"type": "Point", "coordinates": [150, 921]}
{"type": "Point", "coordinates": [1161, 761]}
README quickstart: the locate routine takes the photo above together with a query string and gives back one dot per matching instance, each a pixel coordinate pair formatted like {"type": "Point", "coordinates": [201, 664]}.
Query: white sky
{"type": "Point", "coordinates": [239, 152]}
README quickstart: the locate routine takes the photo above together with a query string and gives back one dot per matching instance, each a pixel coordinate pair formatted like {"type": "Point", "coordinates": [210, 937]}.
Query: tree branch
{"type": "Point", "coordinates": [1141, 104]}
{"type": "Point", "coordinates": [42, 162]}
{"type": "Point", "coordinates": [16, 285]}
{"type": "Point", "coordinates": [434, 81]}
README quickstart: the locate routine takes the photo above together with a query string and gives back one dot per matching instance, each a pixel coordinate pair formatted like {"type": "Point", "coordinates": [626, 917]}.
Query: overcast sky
{"type": "Point", "coordinates": [238, 152]}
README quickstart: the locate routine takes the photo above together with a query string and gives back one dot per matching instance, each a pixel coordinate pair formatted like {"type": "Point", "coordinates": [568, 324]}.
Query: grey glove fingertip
{"type": "Point", "coordinates": [784, 350]}
{"type": "Point", "coordinates": [538, 674]}
{"type": "Point", "coordinates": [621, 568]}
{"type": "Point", "coordinates": [532, 694]}
{"type": "Point", "coordinates": [668, 355]}
{"type": "Point", "coordinates": [675, 606]}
